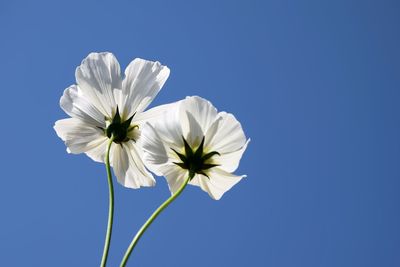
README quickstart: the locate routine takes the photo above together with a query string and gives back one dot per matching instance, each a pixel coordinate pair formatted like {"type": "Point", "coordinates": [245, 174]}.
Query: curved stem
{"type": "Point", "coordinates": [150, 220]}
{"type": "Point", "coordinates": [110, 205]}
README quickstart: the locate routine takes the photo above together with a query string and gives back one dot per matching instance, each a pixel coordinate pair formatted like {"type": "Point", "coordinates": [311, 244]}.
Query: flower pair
{"type": "Point", "coordinates": [188, 141]}
{"type": "Point", "coordinates": [105, 103]}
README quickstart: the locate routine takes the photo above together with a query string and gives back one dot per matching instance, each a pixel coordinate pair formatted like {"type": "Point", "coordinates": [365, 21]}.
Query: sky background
{"type": "Point", "coordinates": [315, 84]}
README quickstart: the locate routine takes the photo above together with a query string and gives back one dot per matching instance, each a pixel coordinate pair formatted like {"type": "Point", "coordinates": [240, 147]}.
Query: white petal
{"type": "Point", "coordinates": [119, 161]}
{"type": "Point", "coordinates": [143, 80]}
{"type": "Point", "coordinates": [168, 127]}
{"type": "Point", "coordinates": [175, 176]}
{"type": "Point", "coordinates": [228, 137]}
{"type": "Point", "coordinates": [196, 179]}
{"type": "Point", "coordinates": [155, 153]}
{"type": "Point", "coordinates": [201, 109]}
{"type": "Point", "coordinates": [98, 153]}
{"type": "Point", "coordinates": [211, 132]}
{"type": "Point", "coordinates": [75, 104]}
{"type": "Point", "coordinates": [120, 100]}
{"type": "Point", "coordinates": [192, 130]}
{"type": "Point", "coordinates": [78, 136]}
{"type": "Point", "coordinates": [154, 114]}
{"type": "Point", "coordinates": [98, 75]}
{"type": "Point", "coordinates": [230, 161]}
{"type": "Point", "coordinates": [136, 175]}
{"type": "Point", "coordinates": [218, 183]}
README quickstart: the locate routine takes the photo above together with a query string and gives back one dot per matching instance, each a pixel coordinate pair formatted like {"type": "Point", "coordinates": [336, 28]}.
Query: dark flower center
{"type": "Point", "coordinates": [119, 129]}
{"type": "Point", "coordinates": [195, 161]}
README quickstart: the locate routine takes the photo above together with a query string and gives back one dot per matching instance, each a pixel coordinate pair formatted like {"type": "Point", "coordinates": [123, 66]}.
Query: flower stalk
{"type": "Point", "coordinates": [110, 205]}
{"type": "Point", "coordinates": [151, 219]}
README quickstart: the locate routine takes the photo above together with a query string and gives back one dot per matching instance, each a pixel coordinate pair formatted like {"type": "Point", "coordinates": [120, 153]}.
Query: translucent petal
{"type": "Point", "coordinates": [136, 174]}
{"type": "Point", "coordinates": [218, 183]}
{"type": "Point", "coordinates": [201, 110]}
{"type": "Point", "coordinates": [175, 176]}
{"type": "Point", "coordinates": [225, 135]}
{"type": "Point", "coordinates": [79, 137]}
{"type": "Point", "coordinates": [76, 105]}
{"type": "Point", "coordinates": [98, 75]}
{"type": "Point", "coordinates": [143, 80]}
{"type": "Point", "coordinates": [155, 152]}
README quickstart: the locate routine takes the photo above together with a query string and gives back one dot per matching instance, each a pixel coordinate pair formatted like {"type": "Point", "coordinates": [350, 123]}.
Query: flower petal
{"type": "Point", "coordinates": [136, 174]}
{"type": "Point", "coordinates": [169, 129]}
{"type": "Point", "coordinates": [192, 130]}
{"type": "Point", "coordinates": [143, 80]}
{"type": "Point", "coordinates": [229, 162]}
{"type": "Point", "coordinates": [159, 139]}
{"type": "Point", "coordinates": [175, 176]}
{"type": "Point", "coordinates": [201, 109]}
{"type": "Point", "coordinates": [154, 114]}
{"type": "Point", "coordinates": [98, 153]}
{"type": "Point", "coordinates": [119, 161]}
{"type": "Point", "coordinates": [155, 153]}
{"type": "Point", "coordinates": [78, 136]}
{"type": "Point", "coordinates": [219, 182]}
{"type": "Point", "coordinates": [225, 135]}
{"type": "Point", "coordinates": [98, 75]}
{"type": "Point", "coordinates": [76, 105]}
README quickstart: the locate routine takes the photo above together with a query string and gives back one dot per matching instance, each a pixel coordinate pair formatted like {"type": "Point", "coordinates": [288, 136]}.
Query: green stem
{"type": "Point", "coordinates": [110, 205]}
{"type": "Point", "coordinates": [150, 220]}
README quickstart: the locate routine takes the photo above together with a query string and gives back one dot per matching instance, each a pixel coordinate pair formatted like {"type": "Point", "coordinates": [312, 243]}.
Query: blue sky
{"type": "Point", "coordinates": [315, 84]}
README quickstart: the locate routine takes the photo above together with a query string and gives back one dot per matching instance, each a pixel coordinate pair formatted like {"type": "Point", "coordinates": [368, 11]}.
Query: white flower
{"type": "Point", "coordinates": [193, 139]}
{"type": "Point", "coordinates": [105, 103]}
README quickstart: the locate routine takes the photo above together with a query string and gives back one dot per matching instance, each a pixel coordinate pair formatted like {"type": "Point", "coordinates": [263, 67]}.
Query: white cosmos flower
{"type": "Point", "coordinates": [103, 103]}
{"type": "Point", "coordinates": [194, 139]}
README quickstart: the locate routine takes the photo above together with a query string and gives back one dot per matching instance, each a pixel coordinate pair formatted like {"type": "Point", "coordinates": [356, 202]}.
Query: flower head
{"type": "Point", "coordinates": [193, 140]}
{"type": "Point", "coordinates": [105, 104]}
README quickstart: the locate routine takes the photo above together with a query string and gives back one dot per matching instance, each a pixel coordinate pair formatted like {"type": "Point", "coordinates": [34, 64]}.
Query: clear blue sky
{"type": "Point", "coordinates": [315, 84]}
